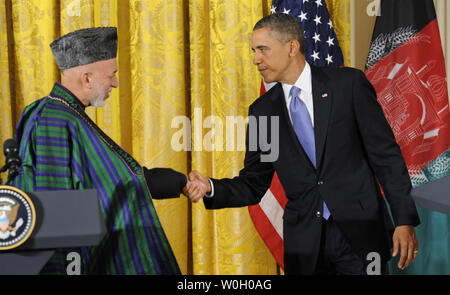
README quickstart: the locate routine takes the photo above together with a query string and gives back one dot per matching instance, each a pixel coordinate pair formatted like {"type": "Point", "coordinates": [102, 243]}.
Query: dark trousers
{"type": "Point", "coordinates": [336, 256]}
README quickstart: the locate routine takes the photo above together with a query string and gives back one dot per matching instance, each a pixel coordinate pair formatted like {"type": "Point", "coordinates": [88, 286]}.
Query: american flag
{"type": "Point", "coordinates": [322, 49]}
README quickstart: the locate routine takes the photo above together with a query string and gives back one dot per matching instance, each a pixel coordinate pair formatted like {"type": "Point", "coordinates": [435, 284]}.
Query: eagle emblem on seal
{"type": "Point", "coordinates": [8, 217]}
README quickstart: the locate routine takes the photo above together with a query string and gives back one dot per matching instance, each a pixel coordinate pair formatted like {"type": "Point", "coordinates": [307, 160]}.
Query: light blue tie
{"type": "Point", "coordinates": [301, 121]}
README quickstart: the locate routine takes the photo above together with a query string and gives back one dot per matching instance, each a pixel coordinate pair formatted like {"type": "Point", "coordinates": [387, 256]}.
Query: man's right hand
{"type": "Point", "coordinates": [197, 187]}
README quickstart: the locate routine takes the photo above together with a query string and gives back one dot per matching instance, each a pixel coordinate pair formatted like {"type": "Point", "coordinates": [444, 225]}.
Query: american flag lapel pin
{"type": "Point", "coordinates": [324, 95]}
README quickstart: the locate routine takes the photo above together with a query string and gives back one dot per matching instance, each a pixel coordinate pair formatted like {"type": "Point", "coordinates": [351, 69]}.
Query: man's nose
{"type": "Point", "coordinates": [115, 82]}
{"type": "Point", "coordinates": [256, 59]}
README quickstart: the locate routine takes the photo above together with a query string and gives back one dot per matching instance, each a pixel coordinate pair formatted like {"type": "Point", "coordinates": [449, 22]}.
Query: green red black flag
{"type": "Point", "coordinates": [406, 66]}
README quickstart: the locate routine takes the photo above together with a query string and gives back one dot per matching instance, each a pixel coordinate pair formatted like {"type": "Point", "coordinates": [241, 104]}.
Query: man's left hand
{"type": "Point", "coordinates": [405, 240]}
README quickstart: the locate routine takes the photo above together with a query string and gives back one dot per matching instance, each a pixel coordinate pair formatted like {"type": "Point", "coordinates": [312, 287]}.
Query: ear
{"type": "Point", "coordinates": [294, 47]}
{"type": "Point", "coordinates": [86, 79]}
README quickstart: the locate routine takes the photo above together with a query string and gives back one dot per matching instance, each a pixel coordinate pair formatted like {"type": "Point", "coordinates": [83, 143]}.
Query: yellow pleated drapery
{"type": "Point", "coordinates": [178, 61]}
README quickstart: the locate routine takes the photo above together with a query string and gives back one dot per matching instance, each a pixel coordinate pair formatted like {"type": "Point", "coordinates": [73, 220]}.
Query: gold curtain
{"type": "Point", "coordinates": [223, 83]}
{"type": "Point", "coordinates": [340, 15]}
{"type": "Point", "coordinates": [178, 59]}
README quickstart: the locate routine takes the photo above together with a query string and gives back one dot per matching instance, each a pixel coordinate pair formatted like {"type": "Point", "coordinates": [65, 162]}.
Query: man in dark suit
{"type": "Point", "coordinates": [335, 146]}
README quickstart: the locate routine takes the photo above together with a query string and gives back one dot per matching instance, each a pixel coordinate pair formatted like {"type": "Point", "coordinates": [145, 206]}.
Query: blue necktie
{"type": "Point", "coordinates": [301, 121]}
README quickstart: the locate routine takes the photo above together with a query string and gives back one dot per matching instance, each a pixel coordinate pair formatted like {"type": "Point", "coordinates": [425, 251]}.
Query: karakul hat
{"type": "Point", "coordinates": [85, 46]}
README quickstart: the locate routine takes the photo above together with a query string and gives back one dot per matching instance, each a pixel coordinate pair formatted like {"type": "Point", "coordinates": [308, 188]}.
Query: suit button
{"type": "Point", "coordinates": [320, 182]}
{"type": "Point", "coordinates": [318, 214]}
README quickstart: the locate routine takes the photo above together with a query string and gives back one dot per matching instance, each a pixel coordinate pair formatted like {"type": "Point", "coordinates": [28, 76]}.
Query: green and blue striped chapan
{"type": "Point", "coordinates": [63, 149]}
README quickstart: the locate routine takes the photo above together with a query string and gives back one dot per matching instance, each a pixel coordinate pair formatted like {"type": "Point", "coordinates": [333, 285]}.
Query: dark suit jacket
{"type": "Point", "coordinates": [355, 148]}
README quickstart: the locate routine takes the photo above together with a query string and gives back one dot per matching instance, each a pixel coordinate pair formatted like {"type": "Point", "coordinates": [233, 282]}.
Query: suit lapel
{"type": "Point", "coordinates": [280, 109]}
{"type": "Point", "coordinates": [322, 99]}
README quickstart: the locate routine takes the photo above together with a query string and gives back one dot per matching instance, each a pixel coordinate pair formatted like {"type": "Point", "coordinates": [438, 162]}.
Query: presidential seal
{"type": "Point", "coordinates": [17, 217]}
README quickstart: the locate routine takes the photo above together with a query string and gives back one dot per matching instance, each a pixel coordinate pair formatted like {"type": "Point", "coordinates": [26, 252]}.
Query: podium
{"type": "Point", "coordinates": [434, 195]}
{"type": "Point", "coordinates": [64, 219]}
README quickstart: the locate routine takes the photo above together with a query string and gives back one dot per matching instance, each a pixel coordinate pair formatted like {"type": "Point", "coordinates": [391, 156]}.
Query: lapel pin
{"type": "Point", "coordinates": [325, 95]}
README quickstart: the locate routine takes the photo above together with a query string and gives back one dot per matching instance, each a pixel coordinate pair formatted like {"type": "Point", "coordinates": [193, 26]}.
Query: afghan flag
{"type": "Point", "coordinates": [406, 66]}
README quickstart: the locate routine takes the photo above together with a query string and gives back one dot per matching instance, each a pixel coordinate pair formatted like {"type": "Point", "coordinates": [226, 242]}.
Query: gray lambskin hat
{"type": "Point", "coordinates": [85, 46]}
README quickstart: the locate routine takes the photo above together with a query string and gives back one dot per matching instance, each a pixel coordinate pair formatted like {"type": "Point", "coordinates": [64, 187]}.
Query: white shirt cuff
{"type": "Point", "coordinates": [211, 194]}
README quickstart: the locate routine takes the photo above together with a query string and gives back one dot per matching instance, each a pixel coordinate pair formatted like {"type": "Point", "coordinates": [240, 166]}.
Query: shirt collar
{"type": "Point", "coordinates": [303, 82]}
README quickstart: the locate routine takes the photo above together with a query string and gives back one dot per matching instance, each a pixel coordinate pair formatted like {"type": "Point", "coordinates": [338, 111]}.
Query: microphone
{"type": "Point", "coordinates": [11, 151]}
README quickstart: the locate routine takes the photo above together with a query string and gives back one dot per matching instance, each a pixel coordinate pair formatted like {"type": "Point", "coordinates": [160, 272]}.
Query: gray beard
{"type": "Point", "coordinates": [98, 102]}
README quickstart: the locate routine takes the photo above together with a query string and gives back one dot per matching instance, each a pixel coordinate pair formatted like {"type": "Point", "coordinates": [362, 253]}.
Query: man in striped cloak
{"type": "Point", "coordinates": [62, 148]}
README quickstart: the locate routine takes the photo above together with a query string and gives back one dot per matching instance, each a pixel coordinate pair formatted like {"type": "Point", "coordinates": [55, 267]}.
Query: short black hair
{"type": "Point", "coordinates": [285, 26]}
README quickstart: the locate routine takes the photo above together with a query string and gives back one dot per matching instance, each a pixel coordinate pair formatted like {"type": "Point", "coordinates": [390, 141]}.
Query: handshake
{"type": "Point", "coordinates": [197, 186]}
{"type": "Point", "coordinates": [168, 183]}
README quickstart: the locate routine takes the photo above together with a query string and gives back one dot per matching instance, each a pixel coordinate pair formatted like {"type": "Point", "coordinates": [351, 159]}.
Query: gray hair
{"type": "Point", "coordinates": [285, 27]}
